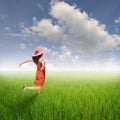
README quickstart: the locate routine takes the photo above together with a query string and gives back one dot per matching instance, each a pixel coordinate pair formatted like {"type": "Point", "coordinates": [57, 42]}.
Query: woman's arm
{"type": "Point", "coordinates": [26, 61]}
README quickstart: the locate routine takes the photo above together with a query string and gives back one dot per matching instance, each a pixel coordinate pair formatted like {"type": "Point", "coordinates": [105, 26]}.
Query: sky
{"type": "Point", "coordinates": [78, 34]}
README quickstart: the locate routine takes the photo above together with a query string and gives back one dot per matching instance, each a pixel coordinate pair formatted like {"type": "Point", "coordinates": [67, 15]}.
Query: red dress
{"type": "Point", "coordinates": [40, 75]}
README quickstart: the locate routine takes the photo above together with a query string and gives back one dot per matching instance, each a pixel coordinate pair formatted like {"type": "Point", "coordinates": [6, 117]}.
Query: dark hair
{"type": "Point", "coordinates": [36, 58]}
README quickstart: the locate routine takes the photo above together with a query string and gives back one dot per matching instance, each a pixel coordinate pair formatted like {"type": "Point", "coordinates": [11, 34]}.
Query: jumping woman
{"type": "Point", "coordinates": [40, 72]}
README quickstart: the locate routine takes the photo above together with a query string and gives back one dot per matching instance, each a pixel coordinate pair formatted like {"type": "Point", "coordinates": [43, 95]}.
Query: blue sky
{"type": "Point", "coordinates": [78, 34]}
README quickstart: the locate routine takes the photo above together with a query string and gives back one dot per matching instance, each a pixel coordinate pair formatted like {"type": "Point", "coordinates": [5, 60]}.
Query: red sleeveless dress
{"type": "Point", "coordinates": [40, 75]}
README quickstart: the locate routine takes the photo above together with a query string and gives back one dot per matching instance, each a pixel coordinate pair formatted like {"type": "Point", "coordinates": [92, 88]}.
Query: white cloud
{"type": "Point", "coordinates": [40, 6]}
{"type": "Point", "coordinates": [117, 20]}
{"type": "Point", "coordinates": [65, 59]}
{"type": "Point", "coordinates": [35, 21]}
{"type": "Point", "coordinates": [82, 33]}
{"type": "Point", "coordinates": [105, 58]}
{"type": "Point", "coordinates": [24, 29]}
{"type": "Point", "coordinates": [77, 30]}
{"type": "Point", "coordinates": [22, 46]}
{"type": "Point", "coordinates": [13, 34]}
{"type": "Point", "coordinates": [52, 2]}
{"type": "Point", "coordinates": [64, 54]}
{"type": "Point", "coordinates": [116, 38]}
{"type": "Point", "coordinates": [47, 29]}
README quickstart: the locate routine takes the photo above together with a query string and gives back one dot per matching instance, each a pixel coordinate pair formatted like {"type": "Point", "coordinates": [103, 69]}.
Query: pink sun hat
{"type": "Point", "coordinates": [38, 51]}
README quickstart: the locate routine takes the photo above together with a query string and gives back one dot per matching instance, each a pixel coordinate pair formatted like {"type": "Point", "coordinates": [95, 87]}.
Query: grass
{"type": "Point", "coordinates": [65, 96]}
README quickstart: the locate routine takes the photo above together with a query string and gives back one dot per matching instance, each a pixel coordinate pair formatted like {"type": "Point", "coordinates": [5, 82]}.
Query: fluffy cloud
{"type": "Point", "coordinates": [77, 30]}
{"type": "Point", "coordinates": [64, 54]}
{"type": "Point", "coordinates": [47, 29]}
{"type": "Point", "coordinates": [116, 38]}
{"type": "Point", "coordinates": [117, 20]}
{"type": "Point", "coordinates": [82, 33]}
{"type": "Point", "coordinates": [22, 46]}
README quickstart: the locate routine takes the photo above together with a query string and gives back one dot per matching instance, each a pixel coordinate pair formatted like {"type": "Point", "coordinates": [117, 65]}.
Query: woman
{"type": "Point", "coordinates": [40, 72]}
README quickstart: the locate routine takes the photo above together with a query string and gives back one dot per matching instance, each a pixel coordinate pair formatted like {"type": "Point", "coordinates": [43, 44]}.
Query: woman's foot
{"type": "Point", "coordinates": [24, 88]}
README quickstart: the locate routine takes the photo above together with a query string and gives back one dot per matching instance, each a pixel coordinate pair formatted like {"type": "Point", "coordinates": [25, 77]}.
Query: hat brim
{"type": "Point", "coordinates": [39, 53]}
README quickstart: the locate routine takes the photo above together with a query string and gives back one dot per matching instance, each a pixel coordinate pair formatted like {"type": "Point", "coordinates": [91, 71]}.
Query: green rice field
{"type": "Point", "coordinates": [65, 96]}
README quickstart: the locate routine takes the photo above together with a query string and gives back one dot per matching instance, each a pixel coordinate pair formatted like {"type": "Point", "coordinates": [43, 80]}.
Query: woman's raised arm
{"type": "Point", "coordinates": [26, 61]}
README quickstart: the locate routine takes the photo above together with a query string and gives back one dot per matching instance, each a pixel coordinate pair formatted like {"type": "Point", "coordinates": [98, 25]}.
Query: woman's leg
{"type": "Point", "coordinates": [37, 88]}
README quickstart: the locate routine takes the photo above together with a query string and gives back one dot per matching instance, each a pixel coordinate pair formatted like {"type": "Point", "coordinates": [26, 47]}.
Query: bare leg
{"type": "Point", "coordinates": [36, 88]}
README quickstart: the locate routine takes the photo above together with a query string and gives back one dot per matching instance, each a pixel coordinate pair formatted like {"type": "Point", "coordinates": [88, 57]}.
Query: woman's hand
{"type": "Point", "coordinates": [43, 67]}
{"type": "Point", "coordinates": [20, 65]}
